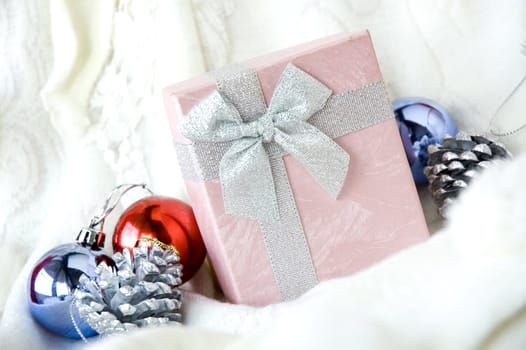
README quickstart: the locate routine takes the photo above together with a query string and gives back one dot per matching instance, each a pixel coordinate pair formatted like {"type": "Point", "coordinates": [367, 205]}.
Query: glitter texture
{"type": "Point", "coordinates": [142, 293]}
{"type": "Point", "coordinates": [236, 137]}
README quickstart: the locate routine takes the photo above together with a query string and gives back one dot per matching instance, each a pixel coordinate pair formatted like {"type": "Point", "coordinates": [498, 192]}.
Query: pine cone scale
{"type": "Point", "coordinates": [454, 163]}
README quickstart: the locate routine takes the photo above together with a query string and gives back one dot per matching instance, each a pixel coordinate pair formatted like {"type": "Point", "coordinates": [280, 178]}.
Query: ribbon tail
{"type": "Point", "coordinates": [285, 241]}
{"type": "Point", "coordinates": [247, 182]}
{"type": "Point", "coordinates": [323, 158]}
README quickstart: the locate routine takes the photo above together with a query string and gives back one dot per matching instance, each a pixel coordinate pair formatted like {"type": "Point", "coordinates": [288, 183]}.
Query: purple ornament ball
{"type": "Point", "coordinates": [52, 284]}
{"type": "Point", "coordinates": [421, 122]}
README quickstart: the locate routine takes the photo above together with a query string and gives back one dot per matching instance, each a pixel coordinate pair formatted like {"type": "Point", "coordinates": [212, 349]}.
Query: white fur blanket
{"type": "Point", "coordinates": [99, 121]}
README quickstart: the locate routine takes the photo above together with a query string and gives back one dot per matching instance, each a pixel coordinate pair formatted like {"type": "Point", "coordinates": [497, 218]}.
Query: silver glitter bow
{"type": "Point", "coordinates": [246, 167]}
{"type": "Point", "coordinates": [241, 141]}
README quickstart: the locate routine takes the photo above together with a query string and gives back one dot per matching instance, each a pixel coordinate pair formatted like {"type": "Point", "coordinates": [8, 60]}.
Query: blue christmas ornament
{"type": "Point", "coordinates": [421, 123]}
{"type": "Point", "coordinates": [54, 279]}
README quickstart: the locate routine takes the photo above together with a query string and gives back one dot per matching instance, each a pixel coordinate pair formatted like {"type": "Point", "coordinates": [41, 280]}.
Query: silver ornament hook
{"type": "Point", "coordinates": [112, 200]}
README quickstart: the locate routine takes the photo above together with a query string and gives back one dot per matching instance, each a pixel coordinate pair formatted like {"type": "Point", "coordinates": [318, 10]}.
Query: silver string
{"type": "Point", "coordinates": [494, 117]}
{"type": "Point", "coordinates": [75, 324]}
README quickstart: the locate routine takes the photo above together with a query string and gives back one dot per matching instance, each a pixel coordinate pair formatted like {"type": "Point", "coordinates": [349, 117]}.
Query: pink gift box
{"type": "Point", "coordinates": [376, 213]}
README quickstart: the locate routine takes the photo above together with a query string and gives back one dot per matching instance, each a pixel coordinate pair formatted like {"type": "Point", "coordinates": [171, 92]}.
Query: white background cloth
{"type": "Point", "coordinates": [99, 121]}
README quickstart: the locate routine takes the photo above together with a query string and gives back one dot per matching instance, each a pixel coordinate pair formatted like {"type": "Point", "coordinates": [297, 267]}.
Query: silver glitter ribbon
{"type": "Point", "coordinates": [238, 138]}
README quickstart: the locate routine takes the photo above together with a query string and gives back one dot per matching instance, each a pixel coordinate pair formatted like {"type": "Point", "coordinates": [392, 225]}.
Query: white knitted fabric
{"type": "Point", "coordinates": [81, 111]}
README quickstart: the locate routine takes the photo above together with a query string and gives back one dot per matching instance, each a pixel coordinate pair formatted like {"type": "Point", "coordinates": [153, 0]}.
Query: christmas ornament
{"type": "Point", "coordinates": [75, 290]}
{"type": "Point", "coordinates": [169, 221]}
{"type": "Point", "coordinates": [421, 123]}
{"type": "Point", "coordinates": [453, 163]}
{"type": "Point", "coordinates": [143, 293]}
{"type": "Point", "coordinates": [55, 278]}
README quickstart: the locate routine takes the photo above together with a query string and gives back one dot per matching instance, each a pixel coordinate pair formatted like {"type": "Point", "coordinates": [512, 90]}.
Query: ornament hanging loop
{"type": "Point", "coordinates": [112, 200]}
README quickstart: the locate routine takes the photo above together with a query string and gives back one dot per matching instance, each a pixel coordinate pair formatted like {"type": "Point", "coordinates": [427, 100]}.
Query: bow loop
{"type": "Point", "coordinates": [297, 96]}
{"type": "Point", "coordinates": [214, 119]}
{"type": "Point", "coordinates": [245, 168]}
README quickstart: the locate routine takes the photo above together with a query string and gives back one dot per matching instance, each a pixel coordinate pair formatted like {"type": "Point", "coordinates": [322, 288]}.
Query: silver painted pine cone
{"type": "Point", "coordinates": [453, 164]}
{"type": "Point", "coordinates": [143, 292]}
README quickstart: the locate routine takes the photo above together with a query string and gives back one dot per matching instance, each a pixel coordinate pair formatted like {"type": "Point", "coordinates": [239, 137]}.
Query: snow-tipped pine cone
{"type": "Point", "coordinates": [139, 291]}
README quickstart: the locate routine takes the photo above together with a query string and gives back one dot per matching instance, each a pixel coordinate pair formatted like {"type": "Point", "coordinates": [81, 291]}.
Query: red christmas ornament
{"type": "Point", "coordinates": [168, 220]}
